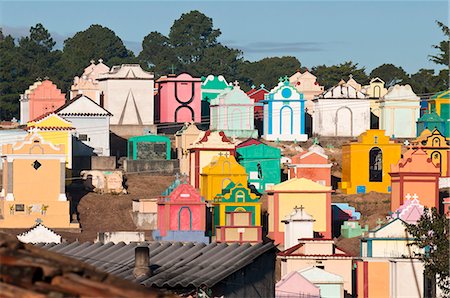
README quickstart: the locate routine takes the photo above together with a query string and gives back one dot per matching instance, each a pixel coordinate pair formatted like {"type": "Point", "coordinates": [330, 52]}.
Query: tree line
{"type": "Point", "coordinates": [191, 46]}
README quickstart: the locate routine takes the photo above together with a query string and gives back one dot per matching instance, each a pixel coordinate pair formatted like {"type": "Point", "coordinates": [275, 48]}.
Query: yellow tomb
{"type": "Point", "coordinates": [366, 163]}
{"type": "Point", "coordinates": [216, 176]}
{"type": "Point", "coordinates": [33, 185]}
{"type": "Point", "coordinates": [56, 130]}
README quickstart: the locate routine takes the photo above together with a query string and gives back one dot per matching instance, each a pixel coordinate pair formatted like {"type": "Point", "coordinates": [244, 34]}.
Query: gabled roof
{"type": "Point", "coordinates": [127, 71]}
{"type": "Point", "coordinates": [81, 105]}
{"type": "Point", "coordinates": [259, 151]}
{"type": "Point", "coordinates": [317, 275]}
{"type": "Point", "coordinates": [401, 92]}
{"type": "Point", "coordinates": [430, 117]}
{"type": "Point", "coordinates": [175, 264]}
{"type": "Point", "coordinates": [39, 234]}
{"type": "Point", "coordinates": [442, 95]}
{"type": "Point", "coordinates": [253, 91]}
{"type": "Point", "coordinates": [342, 91]}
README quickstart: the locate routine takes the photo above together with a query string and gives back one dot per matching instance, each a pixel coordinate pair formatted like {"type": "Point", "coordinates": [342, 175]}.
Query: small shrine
{"type": "Point", "coordinates": [237, 215]}
{"type": "Point", "coordinates": [87, 83]}
{"type": "Point", "coordinates": [262, 164]}
{"type": "Point", "coordinates": [306, 83]}
{"type": "Point", "coordinates": [183, 139]}
{"type": "Point", "coordinates": [415, 176]}
{"type": "Point", "coordinates": [312, 164]}
{"type": "Point", "coordinates": [207, 146]}
{"type": "Point", "coordinates": [341, 213]}
{"type": "Point", "coordinates": [411, 210]}
{"type": "Point", "coordinates": [400, 109]}
{"type": "Point", "coordinates": [374, 91]}
{"type": "Point", "coordinates": [149, 147]}
{"type": "Point", "coordinates": [56, 130]}
{"type": "Point", "coordinates": [41, 98]}
{"type": "Point", "coordinates": [181, 214]}
{"type": "Point", "coordinates": [284, 113]}
{"type": "Point", "coordinates": [39, 234]}
{"type": "Point", "coordinates": [430, 121]}
{"type": "Point", "coordinates": [233, 113]}
{"type": "Point", "coordinates": [91, 123]}
{"type": "Point", "coordinates": [284, 197]}
{"type": "Point", "coordinates": [28, 166]}
{"type": "Point", "coordinates": [341, 111]}
{"type": "Point", "coordinates": [211, 87]}
{"type": "Point", "coordinates": [294, 282]}
{"type": "Point", "coordinates": [436, 147]}
{"type": "Point", "coordinates": [297, 225]}
{"type": "Point", "coordinates": [219, 173]}
{"type": "Point", "coordinates": [352, 229]}
{"type": "Point", "coordinates": [366, 163]}
{"type": "Point", "coordinates": [330, 284]}
{"type": "Point", "coordinates": [178, 99]}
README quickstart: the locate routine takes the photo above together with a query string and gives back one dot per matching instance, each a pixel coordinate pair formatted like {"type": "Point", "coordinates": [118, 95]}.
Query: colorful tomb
{"type": "Point", "coordinates": [312, 164]}
{"type": "Point", "coordinates": [415, 176]}
{"type": "Point", "coordinates": [233, 113]}
{"type": "Point", "coordinates": [56, 130]}
{"type": "Point", "coordinates": [262, 164]}
{"type": "Point", "coordinates": [440, 103]}
{"type": "Point", "coordinates": [284, 197]}
{"type": "Point", "coordinates": [28, 166]}
{"type": "Point", "coordinates": [237, 215]}
{"type": "Point", "coordinates": [211, 87]}
{"type": "Point", "coordinates": [284, 113]}
{"type": "Point", "coordinates": [203, 150]}
{"type": "Point", "coordinates": [41, 98]}
{"type": "Point", "coordinates": [430, 121]}
{"type": "Point", "coordinates": [181, 215]}
{"type": "Point", "coordinates": [400, 109]}
{"type": "Point", "coordinates": [306, 83]}
{"type": "Point", "coordinates": [341, 111]}
{"type": "Point", "coordinates": [366, 163]}
{"type": "Point", "coordinates": [221, 171]}
{"type": "Point", "coordinates": [436, 147]}
{"type": "Point", "coordinates": [178, 99]}
{"type": "Point", "coordinates": [149, 147]}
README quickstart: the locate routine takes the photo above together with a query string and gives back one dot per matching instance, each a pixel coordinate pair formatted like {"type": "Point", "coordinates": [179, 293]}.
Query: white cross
{"type": "Point", "coordinates": [408, 196]}
{"type": "Point", "coordinates": [415, 197]}
{"type": "Point", "coordinates": [406, 143]}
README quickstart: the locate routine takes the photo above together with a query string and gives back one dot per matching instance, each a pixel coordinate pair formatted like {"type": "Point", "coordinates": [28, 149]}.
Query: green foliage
{"type": "Point", "coordinates": [432, 234]}
{"type": "Point", "coordinates": [329, 76]}
{"type": "Point", "coordinates": [424, 81]}
{"type": "Point", "coordinates": [390, 74]}
{"type": "Point", "coordinates": [268, 70]}
{"type": "Point", "coordinates": [158, 55]}
{"type": "Point", "coordinates": [191, 35]}
{"type": "Point", "coordinates": [96, 42]}
{"type": "Point", "coordinates": [443, 47]}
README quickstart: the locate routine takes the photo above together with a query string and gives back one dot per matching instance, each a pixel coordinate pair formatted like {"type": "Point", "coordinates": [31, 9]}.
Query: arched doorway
{"type": "Point", "coordinates": [286, 120]}
{"type": "Point", "coordinates": [375, 165]}
{"type": "Point", "coordinates": [344, 122]}
{"type": "Point", "coordinates": [436, 159]}
{"type": "Point", "coordinates": [184, 114]}
{"type": "Point", "coordinates": [184, 219]}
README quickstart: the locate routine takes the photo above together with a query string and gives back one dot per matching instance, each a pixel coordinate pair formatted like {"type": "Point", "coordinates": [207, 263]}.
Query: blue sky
{"type": "Point", "coordinates": [316, 32]}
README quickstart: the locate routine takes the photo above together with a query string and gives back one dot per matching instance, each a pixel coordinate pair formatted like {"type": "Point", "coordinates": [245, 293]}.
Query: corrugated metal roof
{"type": "Point", "coordinates": [173, 264]}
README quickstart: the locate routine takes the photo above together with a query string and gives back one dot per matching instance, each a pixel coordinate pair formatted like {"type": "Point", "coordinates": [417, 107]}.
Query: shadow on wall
{"type": "Point", "coordinates": [118, 146]}
{"type": "Point", "coordinates": [334, 182]}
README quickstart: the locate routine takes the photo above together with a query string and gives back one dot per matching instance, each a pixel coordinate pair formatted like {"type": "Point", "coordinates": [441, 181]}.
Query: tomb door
{"type": "Point", "coordinates": [375, 165]}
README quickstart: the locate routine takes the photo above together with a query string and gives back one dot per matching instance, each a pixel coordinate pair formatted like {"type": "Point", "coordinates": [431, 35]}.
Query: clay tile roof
{"type": "Point", "coordinates": [30, 271]}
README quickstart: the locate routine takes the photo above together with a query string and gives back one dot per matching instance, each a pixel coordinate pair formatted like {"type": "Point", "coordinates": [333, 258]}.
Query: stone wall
{"type": "Point", "coordinates": [103, 162]}
{"type": "Point", "coordinates": [155, 167]}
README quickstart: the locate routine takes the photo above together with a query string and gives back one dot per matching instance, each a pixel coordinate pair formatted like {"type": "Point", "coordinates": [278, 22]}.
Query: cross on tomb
{"type": "Point", "coordinates": [220, 153]}
{"type": "Point", "coordinates": [39, 221]}
{"type": "Point", "coordinates": [415, 197]}
{"type": "Point", "coordinates": [406, 143]}
{"type": "Point", "coordinates": [227, 154]}
{"type": "Point", "coordinates": [262, 86]}
{"type": "Point", "coordinates": [398, 213]}
{"type": "Point", "coordinates": [408, 196]}
{"type": "Point", "coordinates": [236, 84]}
{"type": "Point", "coordinates": [280, 79]}
{"type": "Point", "coordinates": [316, 141]}
{"type": "Point", "coordinates": [253, 87]}
{"type": "Point", "coordinates": [100, 60]}
{"type": "Point", "coordinates": [172, 68]}
{"type": "Point", "coordinates": [297, 208]}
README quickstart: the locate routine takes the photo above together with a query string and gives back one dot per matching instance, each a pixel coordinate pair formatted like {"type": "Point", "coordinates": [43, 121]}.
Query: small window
{"type": "Point", "coordinates": [36, 165]}
{"type": "Point", "coordinates": [20, 207]}
{"type": "Point", "coordinates": [83, 137]}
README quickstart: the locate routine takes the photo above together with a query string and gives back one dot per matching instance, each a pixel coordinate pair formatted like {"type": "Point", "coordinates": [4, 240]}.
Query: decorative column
{"type": "Point", "coordinates": [62, 181]}
{"type": "Point", "coordinates": [9, 179]}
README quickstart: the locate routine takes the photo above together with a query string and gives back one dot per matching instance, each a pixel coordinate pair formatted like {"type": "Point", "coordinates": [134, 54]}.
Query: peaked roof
{"type": "Point", "coordinates": [127, 71]}
{"type": "Point", "coordinates": [284, 91]}
{"type": "Point", "coordinates": [81, 105]}
{"type": "Point", "coordinates": [253, 91]}
{"type": "Point", "coordinates": [430, 117]}
{"type": "Point", "coordinates": [343, 91]}
{"type": "Point", "coordinates": [317, 275]}
{"type": "Point", "coordinates": [176, 264]}
{"type": "Point", "coordinates": [39, 234]}
{"type": "Point", "coordinates": [415, 161]}
{"type": "Point", "coordinates": [234, 96]}
{"type": "Point", "coordinates": [294, 282]}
